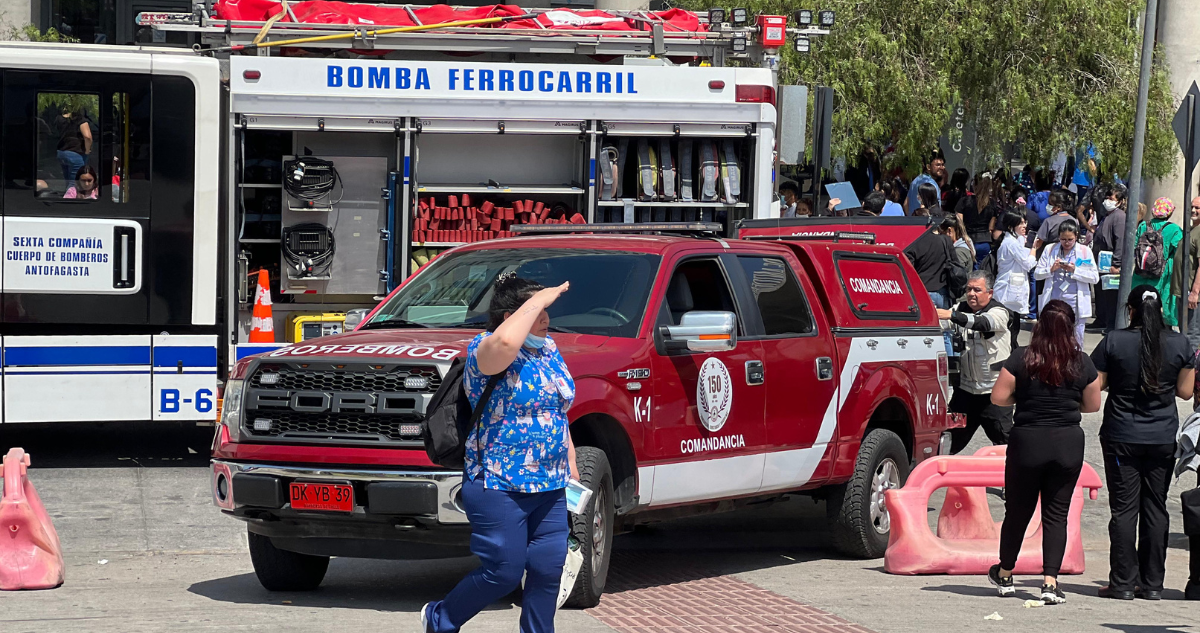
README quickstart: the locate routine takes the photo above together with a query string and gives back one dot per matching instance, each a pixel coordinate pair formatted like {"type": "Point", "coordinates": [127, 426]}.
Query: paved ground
{"type": "Point", "coordinates": [137, 497]}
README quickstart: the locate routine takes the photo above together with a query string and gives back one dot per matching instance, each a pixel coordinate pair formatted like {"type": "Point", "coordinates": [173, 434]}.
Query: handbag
{"type": "Point", "coordinates": [571, 567]}
{"type": "Point", "coordinates": [1191, 511]}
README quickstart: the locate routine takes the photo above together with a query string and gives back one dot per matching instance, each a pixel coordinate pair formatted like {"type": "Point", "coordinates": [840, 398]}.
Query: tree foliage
{"type": "Point", "coordinates": [1049, 75]}
{"type": "Point", "coordinates": [31, 33]}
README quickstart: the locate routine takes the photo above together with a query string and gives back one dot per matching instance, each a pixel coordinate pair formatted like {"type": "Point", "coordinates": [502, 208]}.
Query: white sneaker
{"type": "Point", "coordinates": [425, 618]}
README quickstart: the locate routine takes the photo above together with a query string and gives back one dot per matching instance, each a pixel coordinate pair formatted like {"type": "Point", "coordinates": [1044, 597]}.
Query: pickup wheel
{"type": "Point", "coordinates": [857, 510]}
{"type": "Point", "coordinates": [594, 528]}
{"type": "Point", "coordinates": [281, 570]}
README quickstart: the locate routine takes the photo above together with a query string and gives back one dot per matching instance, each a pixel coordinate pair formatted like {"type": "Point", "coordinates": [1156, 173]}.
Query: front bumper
{"type": "Point", "coordinates": [427, 497]}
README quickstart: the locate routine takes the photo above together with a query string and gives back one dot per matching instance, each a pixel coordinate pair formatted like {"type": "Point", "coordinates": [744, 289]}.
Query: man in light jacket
{"type": "Point", "coordinates": [980, 332]}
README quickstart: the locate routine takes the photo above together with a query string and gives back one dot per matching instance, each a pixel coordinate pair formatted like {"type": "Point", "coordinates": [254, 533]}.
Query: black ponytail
{"type": "Point", "coordinates": [509, 293]}
{"type": "Point", "coordinates": [1146, 312]}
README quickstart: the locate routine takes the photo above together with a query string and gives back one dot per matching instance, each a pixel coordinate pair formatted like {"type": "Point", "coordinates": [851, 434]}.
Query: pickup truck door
{"type": "Point", "coordinates": [799, 368]}
{"type": "Point", "coordinates": [723, 456]}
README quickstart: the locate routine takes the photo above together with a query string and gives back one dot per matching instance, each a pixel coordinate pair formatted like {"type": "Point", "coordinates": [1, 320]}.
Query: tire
{"type": "Point", "coordinates": [281, 570]}
{"type": "Point", "coordinates": [594, 528]}
{"type": "Point", "coordinates": [882, 463]}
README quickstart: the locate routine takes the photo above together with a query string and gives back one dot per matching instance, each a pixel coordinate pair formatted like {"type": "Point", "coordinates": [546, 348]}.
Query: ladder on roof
{"type": "Point", "coordinates": [715, 47]}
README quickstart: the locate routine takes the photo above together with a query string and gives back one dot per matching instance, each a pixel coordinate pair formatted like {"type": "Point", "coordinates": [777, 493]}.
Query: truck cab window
{"type": "Point", "coordinates": [780, 300]}
{"type": "Point", "coordinates": [696, 285]}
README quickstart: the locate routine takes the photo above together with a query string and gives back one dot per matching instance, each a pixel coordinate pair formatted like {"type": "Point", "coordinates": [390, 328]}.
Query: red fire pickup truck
{"type": "Point", "coordinates": [710, 373]}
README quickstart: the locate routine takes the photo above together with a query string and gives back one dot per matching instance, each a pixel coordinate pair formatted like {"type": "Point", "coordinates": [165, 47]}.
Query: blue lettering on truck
{"type": "Point", "coordinates": [480, 80]}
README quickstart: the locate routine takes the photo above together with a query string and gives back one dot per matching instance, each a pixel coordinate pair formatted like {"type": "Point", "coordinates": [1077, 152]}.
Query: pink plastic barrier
{"type": "Point", "coordinates": [30, 556]}
{"type": "Point", "coordinates": [968, 540]}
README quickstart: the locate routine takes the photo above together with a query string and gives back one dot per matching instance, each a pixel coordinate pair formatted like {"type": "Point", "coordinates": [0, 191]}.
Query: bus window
{"type": "Point", "coordinates": [71, 139]}
{"type": "Point", "coordinates": [120, 146]}
{"type": "Point", "coordinates": [68, 140]}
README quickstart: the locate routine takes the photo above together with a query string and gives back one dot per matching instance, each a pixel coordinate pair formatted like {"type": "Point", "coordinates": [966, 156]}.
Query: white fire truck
{"type": "Point", "coordinates": [144, 188]}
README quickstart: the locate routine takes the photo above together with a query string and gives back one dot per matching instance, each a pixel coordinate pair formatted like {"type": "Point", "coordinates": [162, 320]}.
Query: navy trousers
{"type": "Point", "coordinates": [513, 534]}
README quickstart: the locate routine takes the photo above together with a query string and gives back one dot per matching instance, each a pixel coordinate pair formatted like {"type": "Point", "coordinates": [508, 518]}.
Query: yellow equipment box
{"type": "Point", "coordinates": [302, 327]}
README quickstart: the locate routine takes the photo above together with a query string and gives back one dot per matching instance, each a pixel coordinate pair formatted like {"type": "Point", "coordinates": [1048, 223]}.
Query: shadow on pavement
{"type": "Point", "coordinates": [393, 586]}
{"type": "Point", "coordinates": [664, 554]}
{"type": "Point", "coordinates": [110, 444]}
{"type": "Point", "coordinates": [1150, 628]}
{"type": "Point", "coordinates": [984, 590]}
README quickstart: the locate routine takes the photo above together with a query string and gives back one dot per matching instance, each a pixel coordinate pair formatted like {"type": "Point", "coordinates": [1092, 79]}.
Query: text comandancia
{"type": "Point", "coordinates": [876, 286]}
{"type": "Point", "coordinates": [705, 444]}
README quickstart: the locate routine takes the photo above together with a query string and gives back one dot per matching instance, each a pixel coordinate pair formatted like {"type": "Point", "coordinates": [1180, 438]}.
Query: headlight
{"type": "Point", "coordinates": [231, 409]}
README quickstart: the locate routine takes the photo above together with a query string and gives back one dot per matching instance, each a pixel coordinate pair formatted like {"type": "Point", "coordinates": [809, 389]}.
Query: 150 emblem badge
{"type": "Point", "coordinates": [714, 394]}
{"type": "Point", "coordinates": [634, 374]}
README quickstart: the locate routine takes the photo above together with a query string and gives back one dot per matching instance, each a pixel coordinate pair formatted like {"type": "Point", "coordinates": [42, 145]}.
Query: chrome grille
{"type": "Point", "coordinates": [300, 385]}
{"type": "Point", "coordinates": [355, 427]}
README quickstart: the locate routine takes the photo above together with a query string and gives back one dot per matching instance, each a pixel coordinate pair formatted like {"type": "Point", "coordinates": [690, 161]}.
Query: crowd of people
{"type": "Point", "coordinates": [1007, 248]}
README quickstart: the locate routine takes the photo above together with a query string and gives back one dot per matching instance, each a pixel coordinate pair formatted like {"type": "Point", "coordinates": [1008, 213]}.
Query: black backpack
{"type": "Point", "coordinates": [956, 276]}
{"type": "Point", "coordinates": [1149, 256]}
{"type": "Point", "coordinates": [449, 418]}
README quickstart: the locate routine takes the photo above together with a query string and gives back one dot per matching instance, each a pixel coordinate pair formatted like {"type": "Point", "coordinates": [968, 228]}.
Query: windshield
{"type": "Point", "coordinates": [607, 296]}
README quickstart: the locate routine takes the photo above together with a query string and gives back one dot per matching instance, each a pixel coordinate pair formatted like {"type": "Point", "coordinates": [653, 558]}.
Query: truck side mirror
{"type": "Point", "coordinates": [354, 317]}
{"type": "Point", "coordinates": [702, 331]}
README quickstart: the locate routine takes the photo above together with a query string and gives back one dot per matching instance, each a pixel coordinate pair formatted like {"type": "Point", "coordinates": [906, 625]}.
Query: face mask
{"type": "Point", "coordinates": [1109, 205]}
{"type": "Point", "coordinates": [535, 342]}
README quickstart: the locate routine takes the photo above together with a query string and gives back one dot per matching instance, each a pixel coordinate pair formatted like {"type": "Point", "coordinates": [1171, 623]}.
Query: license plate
{"type": "Point", "coordinates": [327, 497]}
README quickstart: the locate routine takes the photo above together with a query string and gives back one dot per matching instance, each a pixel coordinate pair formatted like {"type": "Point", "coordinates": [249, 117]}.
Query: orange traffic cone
{"type": "Point", "coordinates": [262, 327]}
{"type": "Point", "coordinates": [30, 555]}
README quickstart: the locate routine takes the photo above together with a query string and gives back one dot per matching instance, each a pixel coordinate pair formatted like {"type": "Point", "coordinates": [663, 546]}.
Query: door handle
{"type": "Point", "coordinates": [124, 257]}
{"type": "Point", "coordinates": [755, 375]}
{"type": "Point", "coordinates": [824, 368]}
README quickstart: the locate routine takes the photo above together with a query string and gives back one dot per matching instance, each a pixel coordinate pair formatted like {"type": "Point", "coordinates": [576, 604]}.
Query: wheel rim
{"type": "Point", "coordinates": [886, 477]}
{"type": "Point", "coordinates": [599, 528]}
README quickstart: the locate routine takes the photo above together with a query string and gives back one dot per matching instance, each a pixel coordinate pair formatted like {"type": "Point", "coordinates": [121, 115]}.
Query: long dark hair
{"type": "Point", "coordinates": [1010, 221]}
{"type": "Point", "coordinates": [927, 193]}
{"type": "Point", "coordinates": [1146, 312]}
{"type": "Point", "coordinates": [509, 293]}
{"type": "Point", "coordinates": [1053, 354]}
{"type": "Point", "coordinates": [897, 191]}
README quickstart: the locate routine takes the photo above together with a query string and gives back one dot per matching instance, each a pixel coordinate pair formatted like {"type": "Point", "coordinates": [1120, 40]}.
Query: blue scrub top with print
{"type": "Point", "coordinates": [524, 425]}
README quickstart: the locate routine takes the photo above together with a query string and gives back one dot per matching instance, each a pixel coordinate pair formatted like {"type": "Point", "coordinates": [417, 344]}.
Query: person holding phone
{"type": "Point", "coordinates": [1068, 269]}
{"type": "Point", "coordinates": [519, 460]}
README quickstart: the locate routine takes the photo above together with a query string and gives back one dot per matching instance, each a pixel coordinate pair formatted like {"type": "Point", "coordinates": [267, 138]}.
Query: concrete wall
{"type": "Point", "coordinates": [1178, 23]}
{"type": "Point", "coordinates": [14, 13]}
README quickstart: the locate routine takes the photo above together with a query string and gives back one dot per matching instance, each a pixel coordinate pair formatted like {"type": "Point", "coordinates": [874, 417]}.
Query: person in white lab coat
{"type": "Point", "coordinates": [1014, 261]}
{"type": "Point", "coordinates": [1069, 269]}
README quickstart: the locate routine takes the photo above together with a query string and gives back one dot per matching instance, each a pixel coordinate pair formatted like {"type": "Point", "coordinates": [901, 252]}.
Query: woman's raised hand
{"type": "Point", "coordinates": [547, 296]}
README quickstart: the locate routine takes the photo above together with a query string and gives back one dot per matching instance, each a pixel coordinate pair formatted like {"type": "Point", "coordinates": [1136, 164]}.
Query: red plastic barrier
{"type": "Point", "coordinates": [30, 555]}
{"type": "Point", "coordinates": [968, 540]}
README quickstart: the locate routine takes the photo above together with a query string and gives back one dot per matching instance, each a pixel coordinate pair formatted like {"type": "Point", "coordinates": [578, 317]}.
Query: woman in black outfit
{"type": "Point", "coordinates": [1052, 382]}
{"type": "Point", "coordinates": [1144, 367]}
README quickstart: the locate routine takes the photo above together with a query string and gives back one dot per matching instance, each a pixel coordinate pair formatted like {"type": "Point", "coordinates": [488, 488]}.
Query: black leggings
{"type": "Point", "coordinates": [1041, 461]}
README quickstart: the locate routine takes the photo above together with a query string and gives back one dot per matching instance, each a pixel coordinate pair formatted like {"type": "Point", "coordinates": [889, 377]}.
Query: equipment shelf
{"type": "Point", "coordinates": [515, 189]}
{"type": "Point", "coordinates": [676, 205]}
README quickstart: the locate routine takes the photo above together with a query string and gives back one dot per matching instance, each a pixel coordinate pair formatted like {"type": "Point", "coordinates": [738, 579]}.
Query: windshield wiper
{"type": "Point", "coordinates": [388, 323]}
{"type": "Point", "coordinates": [556, 328]}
